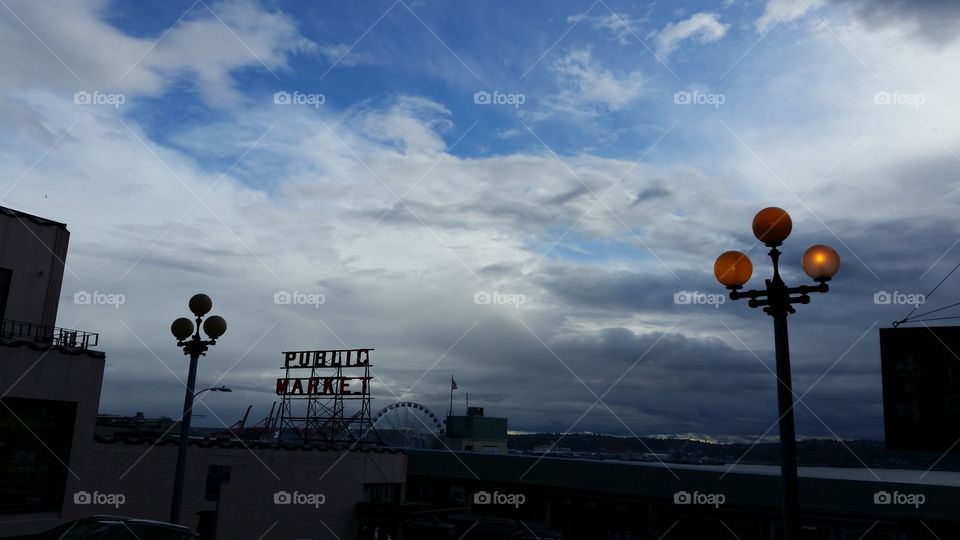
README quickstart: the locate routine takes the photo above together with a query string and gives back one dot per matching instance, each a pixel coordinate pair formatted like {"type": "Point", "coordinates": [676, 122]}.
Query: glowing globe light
{"type": "Point", "coordinates": [821, 262]}
{"type": "Point", "coordinates": [733, 269]}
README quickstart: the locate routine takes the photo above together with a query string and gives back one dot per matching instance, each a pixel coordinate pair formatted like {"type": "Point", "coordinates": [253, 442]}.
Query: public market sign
{"type": "Point", "coordinates": [316, 384]}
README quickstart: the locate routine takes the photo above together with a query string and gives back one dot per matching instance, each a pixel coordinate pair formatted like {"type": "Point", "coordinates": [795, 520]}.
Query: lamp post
{"type": "Point", "coordinates": [733, 269]}
{"type": "Point", "coordinates": [188, 338]}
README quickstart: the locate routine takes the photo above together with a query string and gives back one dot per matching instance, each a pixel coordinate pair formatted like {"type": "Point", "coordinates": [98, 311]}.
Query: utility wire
{"type": "Point", "coordinates": [927, 297]}
{"type": "Point", "coordinates": [931, 312]}
{"type": "Point", "coordinates": [934, 319]}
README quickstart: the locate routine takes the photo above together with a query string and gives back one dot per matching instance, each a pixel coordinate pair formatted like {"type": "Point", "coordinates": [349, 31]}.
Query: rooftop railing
{"type": "Point", "coordinates": [52, 335]}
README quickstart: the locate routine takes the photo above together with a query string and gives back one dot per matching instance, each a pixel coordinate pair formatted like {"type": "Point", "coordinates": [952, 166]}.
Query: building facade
{"type": "Point", "coordinates": [476, 433]}
{"type": "Point", "coordinates": [50, 377]}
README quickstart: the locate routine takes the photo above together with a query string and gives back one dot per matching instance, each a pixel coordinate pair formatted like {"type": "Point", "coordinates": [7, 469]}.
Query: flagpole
{"type": "Point", "coordinates": [450, 412]}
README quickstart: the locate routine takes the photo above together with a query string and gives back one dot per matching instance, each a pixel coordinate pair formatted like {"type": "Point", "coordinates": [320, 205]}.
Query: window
{"type": "Point", "coordinates": [37, 435]}
{"type": "Point", "coordinates": [382, 493]}
{"type": "Point", "coordinates": [216, 475]}
{"type": "Point", "coordinates": [6, 276]}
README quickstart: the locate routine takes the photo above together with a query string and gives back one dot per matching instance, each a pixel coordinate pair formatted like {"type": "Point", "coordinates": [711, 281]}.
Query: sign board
{"type": "Point", "coordinates": [921, 387]}
{"type": "Point", "coordinates": [316, 388]}
{"type": "Point", "coordinates": [336, 385]}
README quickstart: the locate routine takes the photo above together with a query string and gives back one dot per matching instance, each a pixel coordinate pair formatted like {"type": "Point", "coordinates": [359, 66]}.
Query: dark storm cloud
{"type": "Point", "coordinates": [935, 21]}
{"type": "Point", "coordinates": [500, 270]}
{"type": "Point", "coordinates": [564, 198]}
{"type": "Point", "coordinates": [684, 382]}
{"type": "Point", "coordinates": [595, 288]}
{"type": "Point", "coordinates": [651, 193]}
{"type": "Point", "coordinates": [492, 209]}
{"type": "Point", "coordinates": [667, 380]}
{"type": "Point", "coordinates": [698, 378]}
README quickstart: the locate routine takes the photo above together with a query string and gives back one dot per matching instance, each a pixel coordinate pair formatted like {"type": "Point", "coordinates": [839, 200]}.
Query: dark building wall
{"type": "Point", "coordinates": [477, 427]}
{"type": "Point", "coordinates": [35, 249]}
{"type": "Point", "coordinates": [39, 374]}
{"type": "Point", "coordinates": [603, 499]}
{"type": "Point", "coordinates": [248, 506]}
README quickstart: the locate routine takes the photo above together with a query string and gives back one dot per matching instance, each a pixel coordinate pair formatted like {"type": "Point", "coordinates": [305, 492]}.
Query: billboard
{"type": "Point", "coordinates": [338, 385]}
{"type": "Point", "coordinates": [921, 387]}
{"type": "Point", "coordinates": [325, 395]}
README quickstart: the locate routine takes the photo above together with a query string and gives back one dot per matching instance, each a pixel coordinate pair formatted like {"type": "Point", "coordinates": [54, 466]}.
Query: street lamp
{"type": "Point", "coordinates": [188, 338]}
{"type": "Point", "coordinates": [213, 389]}
{"type": "Point", "coordinates": [733, 269]}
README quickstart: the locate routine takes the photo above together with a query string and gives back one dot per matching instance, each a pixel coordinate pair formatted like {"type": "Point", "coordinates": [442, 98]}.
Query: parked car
{"type": "Point", "coordinates": [430, 528]}
{"type": "Point", "coordinates": [491, 529]}
{"type": "Point", "coordinates": [535, 534]}
{"type": "Point", "coordinates": [113, 528]}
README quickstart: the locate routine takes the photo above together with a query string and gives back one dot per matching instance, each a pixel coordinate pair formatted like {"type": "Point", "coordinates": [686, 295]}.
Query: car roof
{"type": "Point", "coordinates": [124, 519]}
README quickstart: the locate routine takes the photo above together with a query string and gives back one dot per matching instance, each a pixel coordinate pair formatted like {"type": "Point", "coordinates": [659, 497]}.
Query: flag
{"type": "Point", "coordinates": [453, 384]}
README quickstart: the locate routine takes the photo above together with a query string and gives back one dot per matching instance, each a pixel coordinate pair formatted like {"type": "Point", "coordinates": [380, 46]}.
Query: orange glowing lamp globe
{"type": "Point", "coordinates": [821, 262]}
{"type": "Point", "coordinates": [772, 226]}
{"type": "Point", "coordinates": [733, 269]}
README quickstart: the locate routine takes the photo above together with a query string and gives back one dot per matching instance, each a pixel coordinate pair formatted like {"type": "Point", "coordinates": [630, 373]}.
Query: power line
{"type": "Point", "coordinates": [927, 297]}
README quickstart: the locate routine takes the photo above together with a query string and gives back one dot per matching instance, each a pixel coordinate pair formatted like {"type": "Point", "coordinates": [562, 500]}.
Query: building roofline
{"type": "Point", "coordinates": [250, 445]}
{"type": "Point", "coordinates": [843, 491]}
{"type": "Point", "coordinates": [30, 344]}
{"type": "Point", "coordinates": [43, 222]}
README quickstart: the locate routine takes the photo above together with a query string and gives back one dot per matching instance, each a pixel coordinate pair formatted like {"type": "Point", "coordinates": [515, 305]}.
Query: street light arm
{"type": "Point", "coordinates": [760, 298]}
{"type": "Point", "coordinates": [752, 294]}
{"type": "Point", "coordinates": [221, 388]}
{"type": "Point", "coordinates": [821, 287]}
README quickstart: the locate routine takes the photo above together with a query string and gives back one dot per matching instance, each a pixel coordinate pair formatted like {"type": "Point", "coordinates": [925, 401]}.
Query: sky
{"type": "Point", "coordinates": [528, 196]}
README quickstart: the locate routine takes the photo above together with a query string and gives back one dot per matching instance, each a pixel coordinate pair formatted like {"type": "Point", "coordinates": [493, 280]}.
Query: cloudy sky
{"type": "Point", "coordinates": [524, 194]}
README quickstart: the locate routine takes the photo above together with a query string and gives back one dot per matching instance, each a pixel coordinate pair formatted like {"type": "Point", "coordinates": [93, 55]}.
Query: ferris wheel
{"type": "Point", "coordinates": [407, 424]}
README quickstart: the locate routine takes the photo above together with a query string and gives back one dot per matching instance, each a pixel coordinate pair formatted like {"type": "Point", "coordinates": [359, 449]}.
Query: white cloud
{"type": "Point", "coordinates": [589, 88]}
{"type": "Point", "coordinates": [85, 53]}
{"type": "Point", "coordinates": [343, 55]}
{"type": "Point", "coordinates": [701, 27]}
{"type": "Point", "coordinates": [783, 11]}
{"type": "Point", "coordinates": [621, 25]}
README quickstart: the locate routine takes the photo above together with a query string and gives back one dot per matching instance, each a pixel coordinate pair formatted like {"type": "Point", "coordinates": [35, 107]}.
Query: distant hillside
{"type": "Point", "coordinates": [811, 452]}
